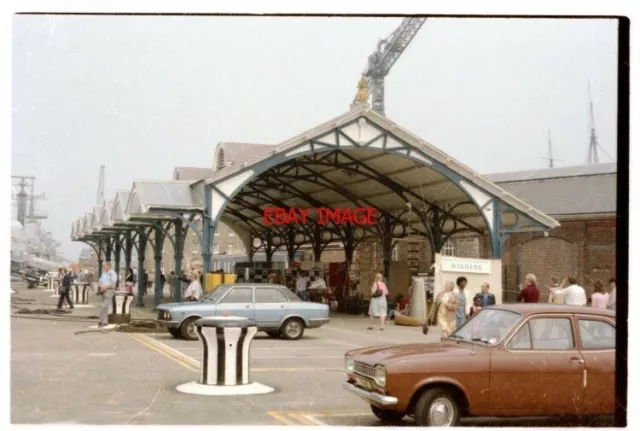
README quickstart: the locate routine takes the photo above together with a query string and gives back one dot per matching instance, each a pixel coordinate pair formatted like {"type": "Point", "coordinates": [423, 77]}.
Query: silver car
{"type": "Point", "coordinates": [275, 309]}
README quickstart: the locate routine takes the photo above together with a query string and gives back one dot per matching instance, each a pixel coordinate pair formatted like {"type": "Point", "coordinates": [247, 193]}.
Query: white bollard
{"type": "Point", "coordinates": [80, 294]}
{"type": "Point", "coordinates": [120, 308]}
{"type": "Point", "coordinates": [56, 288]}
{"type": "Point", "coordinates": [224, 369]}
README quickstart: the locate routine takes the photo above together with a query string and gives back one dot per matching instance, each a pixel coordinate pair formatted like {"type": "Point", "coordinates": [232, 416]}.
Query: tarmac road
{"type": "Point", "coordinates": [119, 378]}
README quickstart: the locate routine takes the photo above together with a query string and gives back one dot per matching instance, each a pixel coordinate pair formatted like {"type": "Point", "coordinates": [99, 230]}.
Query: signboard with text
{"type": "Point", "coordinates": [476, 266]}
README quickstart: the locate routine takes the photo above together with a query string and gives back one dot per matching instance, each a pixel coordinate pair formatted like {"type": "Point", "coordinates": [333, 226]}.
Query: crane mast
{"type": "Point", "coordinates": [385, 56]}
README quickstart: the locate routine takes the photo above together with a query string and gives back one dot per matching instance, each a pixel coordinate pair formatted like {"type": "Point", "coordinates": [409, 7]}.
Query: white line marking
{"type": "Point", "coordinates": [314, 420]}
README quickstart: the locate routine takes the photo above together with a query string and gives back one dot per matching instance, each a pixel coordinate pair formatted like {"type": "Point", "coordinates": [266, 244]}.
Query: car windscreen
{"type": "Point", "coordinates": [488, 327]}
{"type": "Point", "coordinates": [292, 297]}
{"type": "Point", "coordinates": [216, 294]}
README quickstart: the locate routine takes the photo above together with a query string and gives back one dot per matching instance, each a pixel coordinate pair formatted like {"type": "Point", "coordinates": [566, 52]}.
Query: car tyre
{"type": "Point", "coordinates": [387, 415]}
{"type": "Point", "coordinates": [188, 329]}
{"type": "Point", "coordinates": [293, 329]}
{"type": "Point", "coordinates": [438, 408]}
{"type": "Point", "coordinates": [274, 334]}
{"type": "Point", "coordinates": [175, 332]}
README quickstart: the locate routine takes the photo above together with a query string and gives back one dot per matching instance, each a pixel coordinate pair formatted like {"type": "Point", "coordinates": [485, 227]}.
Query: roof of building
{"type": "Point", "coordinates": [398, 168]}
{"type": "Point", "coordinates": [574, 190]}
{"type": "Point", "coordinates": [235, 153]}
{"type": "Point", "coordinates": [192, 174]}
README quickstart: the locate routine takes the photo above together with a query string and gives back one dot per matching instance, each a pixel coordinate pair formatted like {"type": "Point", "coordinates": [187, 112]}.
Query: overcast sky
{"type": "Point", "coordinates": [142, 95]}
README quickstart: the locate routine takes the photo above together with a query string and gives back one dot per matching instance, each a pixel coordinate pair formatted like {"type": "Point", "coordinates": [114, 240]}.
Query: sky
{"type": "Point", "coordinates": [142, 95]}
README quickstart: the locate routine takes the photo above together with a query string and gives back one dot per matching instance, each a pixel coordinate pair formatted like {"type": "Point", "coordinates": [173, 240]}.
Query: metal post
{"type": "Point", "coordinates": [180, 234]}
{"type": "Point", "coordinates": [142, 247]}
{"type": "Point", "coordinates": [118, 250]}
{"type": "Point", "coordinates": [158, 242]}
{"type": "Point", "coordinates": [100, 252]}
{"type": "Point", "coordinates": [269, 249]}
{"type": "Point", "coordinates": [496, 244]}
{"type": "Point", "coordinates": [108, 249]}
{"type": "Point", "coordinates": [207, 227]}
{"type": "Point", "coordinates": [128, 247]}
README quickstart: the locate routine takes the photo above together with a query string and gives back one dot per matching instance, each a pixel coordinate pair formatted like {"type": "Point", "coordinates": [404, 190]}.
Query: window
{"type": "Point", "coordinates": [269, 296]}
{"type": "Point", "coordinates": [292, 297]}
{"type": "Point", "coordinates": [229, 248]}
{"type": "Point", "coordinates": [552, 333]}
{"type": "Point", "coordinates": [216, 249]}
{"type": "Point", "coordinates": [522, 339]}
{"type": "Point", "coordinates": [394, 254]}
{"type": "Point", "coordinates": [447, 249]}
{"type": "Point", "coordinates": [596, 335]}
{"type": "Point", "coordinates": [242, 295]}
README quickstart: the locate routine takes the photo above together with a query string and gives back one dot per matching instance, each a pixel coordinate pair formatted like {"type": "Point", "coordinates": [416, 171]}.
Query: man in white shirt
{"type": "Point", "coordinates": [106, 288]}
{"type": "Point", "coordinates": [572, 294]}
{"type": "Point", "coordinates": [301, 287]}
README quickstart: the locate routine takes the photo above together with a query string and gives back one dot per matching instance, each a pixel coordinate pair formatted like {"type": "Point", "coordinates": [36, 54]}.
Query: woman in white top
{"type": "Point", "coordinates": [194, 290]}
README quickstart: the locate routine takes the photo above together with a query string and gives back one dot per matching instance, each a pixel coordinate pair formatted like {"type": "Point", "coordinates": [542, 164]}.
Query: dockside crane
{"type": "Point", "coordinates": [385, 56]}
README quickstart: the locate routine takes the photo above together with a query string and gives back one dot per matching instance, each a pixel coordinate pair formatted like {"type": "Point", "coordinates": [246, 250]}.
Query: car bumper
{"type": "Point", "coordinates": [168, 323]}
{"type": "Point", "coordinates": [373, 397]}
{"type": "Point", "coordinates": [316, 323]}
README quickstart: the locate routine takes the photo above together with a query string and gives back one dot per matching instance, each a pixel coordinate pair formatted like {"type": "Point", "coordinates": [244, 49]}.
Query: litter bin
{"type": "Point", "coordinates": [120, 309]}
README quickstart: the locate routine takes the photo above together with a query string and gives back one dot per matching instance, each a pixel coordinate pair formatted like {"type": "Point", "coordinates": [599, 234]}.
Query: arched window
{"type": "Point", "coordinates": [448, 249]}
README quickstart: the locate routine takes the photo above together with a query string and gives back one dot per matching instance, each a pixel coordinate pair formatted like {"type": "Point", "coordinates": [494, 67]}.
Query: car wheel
{"type": "Point", "coordinates": [293, 329]}
{"type": "Point", "coordinates": [273, 334]}
{"type": "Point", "coordinates": [387, 415]}
{"type": "Point", "coordinates": [437, 408]}
{"type": "Point", "coordinates": [175, 332]}
{"type": "Point", "coordinates": [188, 329]}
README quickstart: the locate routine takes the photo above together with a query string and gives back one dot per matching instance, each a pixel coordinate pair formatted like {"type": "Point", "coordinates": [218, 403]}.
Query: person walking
{"type": "Point", "coordinates": [553, 299]}
{"type": "Point", "coordinates": [461, 312]}
{"type": "Point", "coordinates": [129, 281]}
{"type": "Point", "coordinates": [444, 310]}
{"type": "Point", "coordinates": [171, 279]}
{"type": "Point", "coordinates": [599, 299]}
{"type": "Point", "coordinates": [301, 287]}
{"type": "Point", "coordinates": [106, 288]}
{"type": "Point", "coordinates": [194, 290]}
{"type": "Point", "coordinates": [65, 287]}
{"type": "Point", "coordinates": [612, 295]}
{"type": "Point", "coordinates": [530, 294]}
{"type": "Point", "coordinates": [378, 302]}
{"type": "Point", "coordinates": [573, 294]}
{"type": "Point", "coordinates": [163, 281]}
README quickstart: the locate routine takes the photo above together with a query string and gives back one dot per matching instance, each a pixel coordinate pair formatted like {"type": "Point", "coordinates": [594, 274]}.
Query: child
{"type": "Point", "coordinates": [476, 307]}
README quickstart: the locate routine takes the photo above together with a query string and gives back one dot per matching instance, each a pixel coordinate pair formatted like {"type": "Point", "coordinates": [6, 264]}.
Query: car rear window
{"type": "Point", "coordinates": [292, 297]}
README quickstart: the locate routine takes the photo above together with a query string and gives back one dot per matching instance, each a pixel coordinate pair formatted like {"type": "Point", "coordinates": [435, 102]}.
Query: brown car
{"type": "Point", "coordinates": [507, 360]}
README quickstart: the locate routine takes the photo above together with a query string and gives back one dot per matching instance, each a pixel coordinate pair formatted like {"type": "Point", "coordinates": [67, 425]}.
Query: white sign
{"type": "Point", "coordinates": [476, 266]}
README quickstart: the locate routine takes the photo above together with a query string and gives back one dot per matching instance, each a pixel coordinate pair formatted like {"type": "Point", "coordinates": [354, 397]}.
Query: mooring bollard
{"type": "Point", "coordinates": [224, 369]}
{"type": "Point", "coordinates": [80, 293]}
{"type": "Point", "coordinates": [56, 288]}
{"type": "Point", "coordinates": [120, 309]}
{"type": "Point", "coordinates": [49, 284]}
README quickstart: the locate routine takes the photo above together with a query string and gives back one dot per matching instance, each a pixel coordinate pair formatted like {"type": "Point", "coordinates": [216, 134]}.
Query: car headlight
{"type": "Point", "coordinates": [380, 376]}
{"type": "Point", "coordinates": [349, 364]}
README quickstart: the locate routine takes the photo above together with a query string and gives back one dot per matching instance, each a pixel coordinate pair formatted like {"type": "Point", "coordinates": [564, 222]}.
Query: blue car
{"type": "Point", "coordinates": [275, 309]}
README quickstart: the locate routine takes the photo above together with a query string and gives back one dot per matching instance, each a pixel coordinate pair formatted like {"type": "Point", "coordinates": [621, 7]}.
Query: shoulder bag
{"type": "Point", "coordinates": [377, 293]}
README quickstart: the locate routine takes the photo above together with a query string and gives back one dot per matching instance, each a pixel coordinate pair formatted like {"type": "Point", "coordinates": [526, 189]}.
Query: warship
{"type": "Point", "coordinates": [34, 251]}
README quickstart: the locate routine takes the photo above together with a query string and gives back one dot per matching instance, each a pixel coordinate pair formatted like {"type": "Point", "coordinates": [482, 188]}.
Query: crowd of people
{"type": "Point", "coordinates": [449, 307]}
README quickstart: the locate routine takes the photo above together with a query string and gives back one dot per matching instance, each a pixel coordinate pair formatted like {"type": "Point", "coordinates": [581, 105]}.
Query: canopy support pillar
{"type": "Point", "coordinates": [142, 247]}
{"type": "Point", "coordinates": [128, 247]}
{"type": "Point", "coordinates": [178, 249]}
{"type": "Point", "coordinates": [118, 251]}
{"type": "Point", "coordinates": [158, 242]}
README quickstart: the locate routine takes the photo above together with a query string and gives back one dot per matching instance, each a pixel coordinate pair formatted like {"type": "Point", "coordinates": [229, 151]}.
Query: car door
{"type": "Point", "coordinates": [598, 347]}
{"type": "Point", "coordinates": [539, 370]}
{"type": "Point", "coordinates": [271, 306]}
{"type": "Point", "coordinates": [238, 302]}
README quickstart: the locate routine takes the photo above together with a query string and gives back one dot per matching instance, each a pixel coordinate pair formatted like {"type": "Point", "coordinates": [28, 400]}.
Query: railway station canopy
{"type": "Point", "coordinates": [357, 160]}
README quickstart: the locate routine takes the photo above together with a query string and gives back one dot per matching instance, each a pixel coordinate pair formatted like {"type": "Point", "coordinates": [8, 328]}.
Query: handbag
{"type": "Point", "coordinates": [377, 293]}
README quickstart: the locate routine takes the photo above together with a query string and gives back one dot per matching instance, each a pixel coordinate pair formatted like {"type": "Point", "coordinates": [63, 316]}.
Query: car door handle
{"type": "Point", "coordinates": [576, 361]}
